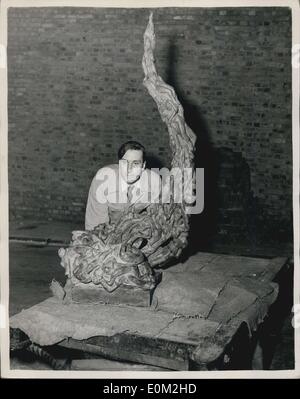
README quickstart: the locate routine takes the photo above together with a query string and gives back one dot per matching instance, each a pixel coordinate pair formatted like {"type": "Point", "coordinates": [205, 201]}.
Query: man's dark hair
{"type": "Point", "coordinates": [131, 145]}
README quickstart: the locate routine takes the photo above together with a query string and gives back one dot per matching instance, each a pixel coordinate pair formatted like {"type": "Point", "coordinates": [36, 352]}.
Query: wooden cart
{"type": "Point", "coordinates": [211, 312]}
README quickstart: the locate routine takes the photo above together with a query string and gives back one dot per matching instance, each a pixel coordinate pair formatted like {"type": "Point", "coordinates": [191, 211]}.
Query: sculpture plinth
{"type": "Point", "coordinates": [122, 296]}
{"type": "Point", "coordinates": [114, 262]}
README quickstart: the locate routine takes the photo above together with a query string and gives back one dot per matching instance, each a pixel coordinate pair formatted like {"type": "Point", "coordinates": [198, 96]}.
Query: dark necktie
{"type": "Point", "coordinates": [129, 193]}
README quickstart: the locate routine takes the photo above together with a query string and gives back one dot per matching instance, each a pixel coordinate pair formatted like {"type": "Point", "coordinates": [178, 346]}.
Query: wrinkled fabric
{"type": "Point", "coordinates": [195, 300]}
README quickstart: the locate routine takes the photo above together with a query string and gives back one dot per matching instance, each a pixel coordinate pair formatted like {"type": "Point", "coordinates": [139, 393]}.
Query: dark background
{"type": "Point", "coordinates": [75, 94]}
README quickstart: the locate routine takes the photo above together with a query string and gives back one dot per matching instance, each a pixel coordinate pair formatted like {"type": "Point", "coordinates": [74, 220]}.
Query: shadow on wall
{"type": "Point", "coordinates": [154, 162]}
{"type": "Point", "coordinates": [203, 226]}
{"type": "Point", "coordinates": [231, 215]}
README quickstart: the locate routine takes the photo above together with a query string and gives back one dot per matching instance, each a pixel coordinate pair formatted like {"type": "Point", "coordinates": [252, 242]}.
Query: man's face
{"type": "Point", "coordinates": [132, 165]}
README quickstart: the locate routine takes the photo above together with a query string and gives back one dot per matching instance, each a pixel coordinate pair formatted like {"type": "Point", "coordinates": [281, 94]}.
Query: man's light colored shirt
{"type": "Point", "coordinates": [108, 199]}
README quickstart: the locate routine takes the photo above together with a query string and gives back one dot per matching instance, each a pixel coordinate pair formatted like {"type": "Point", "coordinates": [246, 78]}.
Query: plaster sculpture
{"type": "Point", "coordinates": [124, 255]}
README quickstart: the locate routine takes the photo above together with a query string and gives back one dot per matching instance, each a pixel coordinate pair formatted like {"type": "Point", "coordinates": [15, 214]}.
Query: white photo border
{"type": "Point", "coordinates": [4, 227]}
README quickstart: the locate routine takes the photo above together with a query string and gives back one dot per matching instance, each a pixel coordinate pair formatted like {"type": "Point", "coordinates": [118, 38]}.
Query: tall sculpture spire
{"type": "Point", "coordinates": [182, 138]}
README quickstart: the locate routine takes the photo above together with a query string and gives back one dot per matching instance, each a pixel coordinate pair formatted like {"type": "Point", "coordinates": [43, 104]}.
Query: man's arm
{"type": "Point", "coordinates": [96, 208]}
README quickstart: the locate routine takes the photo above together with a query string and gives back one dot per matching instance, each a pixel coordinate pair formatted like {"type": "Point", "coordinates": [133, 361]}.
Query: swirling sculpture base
{"type": "Point", "coordinates": [117, 260]}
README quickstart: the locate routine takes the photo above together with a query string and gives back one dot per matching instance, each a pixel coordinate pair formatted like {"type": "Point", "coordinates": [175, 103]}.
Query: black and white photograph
{"type": "Point", "coordinates": [149, 189]}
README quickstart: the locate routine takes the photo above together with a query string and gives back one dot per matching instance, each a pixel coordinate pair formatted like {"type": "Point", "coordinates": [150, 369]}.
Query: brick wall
{"type": "Point", "coordinates": [75, 94]}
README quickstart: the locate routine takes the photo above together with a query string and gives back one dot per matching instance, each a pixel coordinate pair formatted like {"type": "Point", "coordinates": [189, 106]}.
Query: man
{"type": "Point", "coordinates": [119, 186]}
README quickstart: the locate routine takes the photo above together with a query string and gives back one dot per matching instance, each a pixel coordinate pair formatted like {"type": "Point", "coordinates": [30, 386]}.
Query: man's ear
{"type": "Point", "coordinates": [144, 164]}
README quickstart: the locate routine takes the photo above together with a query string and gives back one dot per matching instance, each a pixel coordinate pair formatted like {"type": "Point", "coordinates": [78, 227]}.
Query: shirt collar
{"type": "Point", "coordinates": [124, 185]}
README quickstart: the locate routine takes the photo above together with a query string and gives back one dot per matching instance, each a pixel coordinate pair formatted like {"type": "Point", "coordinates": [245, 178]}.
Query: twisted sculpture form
{"type": "Point", "coordinates": [124, 254]}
